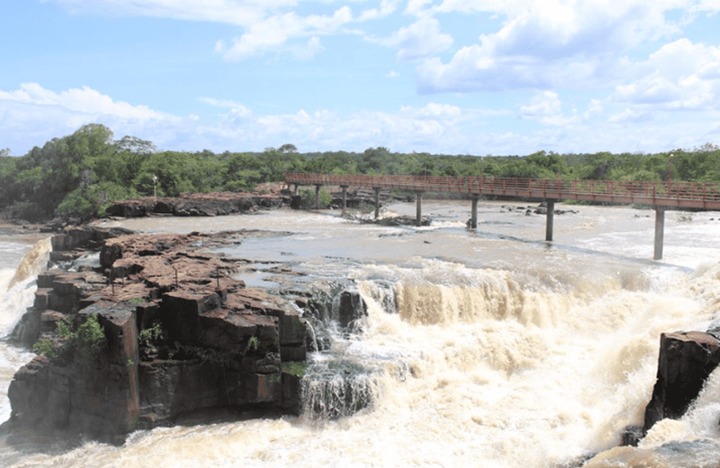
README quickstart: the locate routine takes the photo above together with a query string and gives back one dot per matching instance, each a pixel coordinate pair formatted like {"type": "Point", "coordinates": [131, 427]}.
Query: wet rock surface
{"type": "Point", "coordinates": [686, 360]}
{"type": "Point", "coordinates": [199, 204]}
{"type": "Point", "coordinates": [155, 330]}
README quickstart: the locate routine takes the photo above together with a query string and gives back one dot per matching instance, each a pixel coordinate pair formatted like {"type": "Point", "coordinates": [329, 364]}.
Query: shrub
{"type": "Point", "coordinates": [252, 344]}
{"type": "Point", "coordinates": [151, 334]}
{"type": "Point", "coordinates": [90, 338]}
{"type": "Point", "coordinates": [83, 344]}
{"type": "Point", "coordinates": [307, 198]}
{"type": "Point", "coordinates": [45, 347]}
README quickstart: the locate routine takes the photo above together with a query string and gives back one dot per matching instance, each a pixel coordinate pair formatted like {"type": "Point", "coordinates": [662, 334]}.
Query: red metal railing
{"type": "Point", "coordinates": [696, 195]}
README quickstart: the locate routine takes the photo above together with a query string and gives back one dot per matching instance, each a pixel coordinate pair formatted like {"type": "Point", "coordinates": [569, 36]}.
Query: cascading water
{"type": "Point", "coordinates": [17, 289]}
{"type": "Point", "coordinates": [342, 378]}
{"type": "Point", "coordinates": [524, 356]}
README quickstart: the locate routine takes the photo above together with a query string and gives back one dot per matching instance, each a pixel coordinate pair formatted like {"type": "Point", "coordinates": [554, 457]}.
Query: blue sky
{"type": "Point", "coordinates": [479, 77]}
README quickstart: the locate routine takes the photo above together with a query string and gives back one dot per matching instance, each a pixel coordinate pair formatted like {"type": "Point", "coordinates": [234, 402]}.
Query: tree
{"type": "Point", "coordinates": [373, 160]}
{"type": "Point", "coordinates": [135, 145]}
{"type": "Point", "coordinates": [288, 148]}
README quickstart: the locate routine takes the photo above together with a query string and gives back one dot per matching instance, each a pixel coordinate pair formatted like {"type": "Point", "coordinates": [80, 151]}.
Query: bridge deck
{"type": "Point", "coordinates": [700, 196]}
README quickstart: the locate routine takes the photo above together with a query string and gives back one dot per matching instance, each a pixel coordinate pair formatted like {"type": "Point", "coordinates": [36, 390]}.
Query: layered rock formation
{"type": "Point", "coordinates": [196, 204]}
{"type": "Point", "coordinates": [158, 330]}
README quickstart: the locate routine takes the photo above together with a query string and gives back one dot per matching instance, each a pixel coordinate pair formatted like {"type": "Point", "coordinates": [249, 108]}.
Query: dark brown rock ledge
{"type": "Point", "coordinates": [685, 362]}
{"type": "Point", "coordinates": [159, 331]}
{"type": "Point", "coordinates": [196, 204]}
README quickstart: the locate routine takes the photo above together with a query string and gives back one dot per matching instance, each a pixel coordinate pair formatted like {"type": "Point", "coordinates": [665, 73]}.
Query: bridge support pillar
{"type": "Point", "coordinates": [317, 196]}
{"type": "Point", "coordinates": [418, 208]}
{"type": "Point", "coordinates": [549, 220]}
{"type": "Point", "coordinates": [659, 232]}
{"type": "Point", "coordinates": [377, 202]}
{"type": "Point", "coordinates": [473, 216]}
{"type": "Point", "coordinates": [344, 197]}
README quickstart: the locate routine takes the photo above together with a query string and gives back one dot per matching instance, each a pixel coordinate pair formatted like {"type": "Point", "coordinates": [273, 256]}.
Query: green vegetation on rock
{"type": "Point", "coordinates": [295, 368]}
{"type": "Point", "coordinates": [82, 344]}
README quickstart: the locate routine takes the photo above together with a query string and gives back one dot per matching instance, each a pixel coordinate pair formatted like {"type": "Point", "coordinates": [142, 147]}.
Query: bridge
{"type": "Point", "coordinates": [660, 195]}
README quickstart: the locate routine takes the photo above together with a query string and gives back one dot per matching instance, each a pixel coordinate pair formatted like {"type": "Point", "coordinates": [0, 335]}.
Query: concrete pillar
{"type": "Point", "coordinates": [549, 220]}
{"type": "Point", "coordinates": [473, 216]}
{"type": "Point", "coordinates": [317, 196]}
{"type": "Point", "coordinates": [344, 196]}
{"type": "Point", "coordinates": [377, 202]}
{"type": "Point", "coordinates": [418, 208]}
{"type": "Point", "coordinates": [659, 232]}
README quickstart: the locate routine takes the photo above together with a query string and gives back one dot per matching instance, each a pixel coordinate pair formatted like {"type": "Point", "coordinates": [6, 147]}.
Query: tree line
{"type": "Point", "coordinates": [79, 175]}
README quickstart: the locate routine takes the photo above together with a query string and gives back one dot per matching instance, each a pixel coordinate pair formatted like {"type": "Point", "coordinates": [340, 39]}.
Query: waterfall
{"type": "Point", "coordinates": [33, 262]}
{"type": "Point", "coordinates": [21, 288]}
{"type": "Point", "coordinates": [17, 292]}
{"type": "Point", "coordinates": [334, 387]}
{"type": "Point", "coordinates": [345, 376]}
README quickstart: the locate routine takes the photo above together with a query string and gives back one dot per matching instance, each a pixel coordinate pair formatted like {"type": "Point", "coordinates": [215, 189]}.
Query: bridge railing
{"type": "Point", "coordinates": [600, 190]}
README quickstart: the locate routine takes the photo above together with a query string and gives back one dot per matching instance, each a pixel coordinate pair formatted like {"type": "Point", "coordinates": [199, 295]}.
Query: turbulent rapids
{"type": "Point", "coordinates": [484, 349]}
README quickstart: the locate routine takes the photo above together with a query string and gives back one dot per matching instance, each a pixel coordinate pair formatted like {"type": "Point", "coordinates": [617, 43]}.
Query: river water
{"type": "Point", "coordinates": [494, 348]}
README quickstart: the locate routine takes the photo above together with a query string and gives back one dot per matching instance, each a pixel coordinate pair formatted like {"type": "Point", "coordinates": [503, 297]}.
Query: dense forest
{"type": "Point", "coordinates": [80, 174]}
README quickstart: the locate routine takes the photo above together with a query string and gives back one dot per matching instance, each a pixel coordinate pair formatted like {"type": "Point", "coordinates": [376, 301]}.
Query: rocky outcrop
{"type": "Point", "coordinates": [197, 204]}
{"type": "Point", "coordinates": [157, 330]}
{"type": "Point", "coordinates": [686, 360]}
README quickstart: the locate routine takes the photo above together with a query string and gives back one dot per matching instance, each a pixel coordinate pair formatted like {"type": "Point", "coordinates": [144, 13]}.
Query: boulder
{"type": "Point", "coordinates": [686, 360]}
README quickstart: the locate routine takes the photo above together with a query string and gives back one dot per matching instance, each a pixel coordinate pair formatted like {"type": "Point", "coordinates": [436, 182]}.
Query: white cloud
{"type": "Point", "coordinates": [239, 12]}
{"type": "Point", "coordinates": [83, 100]}
{"type": "Point", "coordinates": [387, 7]}
{"type": "Point", "coordinates": [237, 110]}
{"type": "Point", "coordinates": [435, 110]}
{"type": "Point", "coordinates": [710, 6]}
{"type": "Point", "coordinates": [548, 44]}
{"type": "Point", "coordinates": [417, 7]}
{"type": "Point", "coordinates": [680, 75]}
{"type": "Point", "coordinates": [272, 33]}
{"type": "Point", "coordinates": [268, 25]}
{"type": "Point", "coordinates": [545, 107]}
{"type": "Point", "coordinates": [409, 127]}
{"type": "Point", "coordinates": [630, 116]}
{"type": "Point", "coordinates": [419, 40]}
{"type": "Point", "coordinates": [32, 115]}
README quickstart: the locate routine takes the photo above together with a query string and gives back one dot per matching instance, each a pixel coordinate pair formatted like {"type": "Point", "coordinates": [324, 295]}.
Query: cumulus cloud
{"type": "Point", "coordinates": [274, 32]}
{"type": "Point", "coordinates": [545, 107]}
{"type": "Point", "coordinates": [386, 8]}
{"type": "Point", "coordinates": [409, 127]}
{"type": "Point", "coordinates": [36, 114]}
{"type": "Point", "coordinates": [267, 25]}
{"type": "Point", "coordinates": [83, 100]}
{"type": "Point", "coordinates": [33, 114]}
{"type": "Point", "coordinates": [547, 44]}
{"type": "Point", "coordinates": [679, 75]}
{"type": "Point", "coordinates": [568, 71]}
{"type": "Point", "coordinates": [419, 40]}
